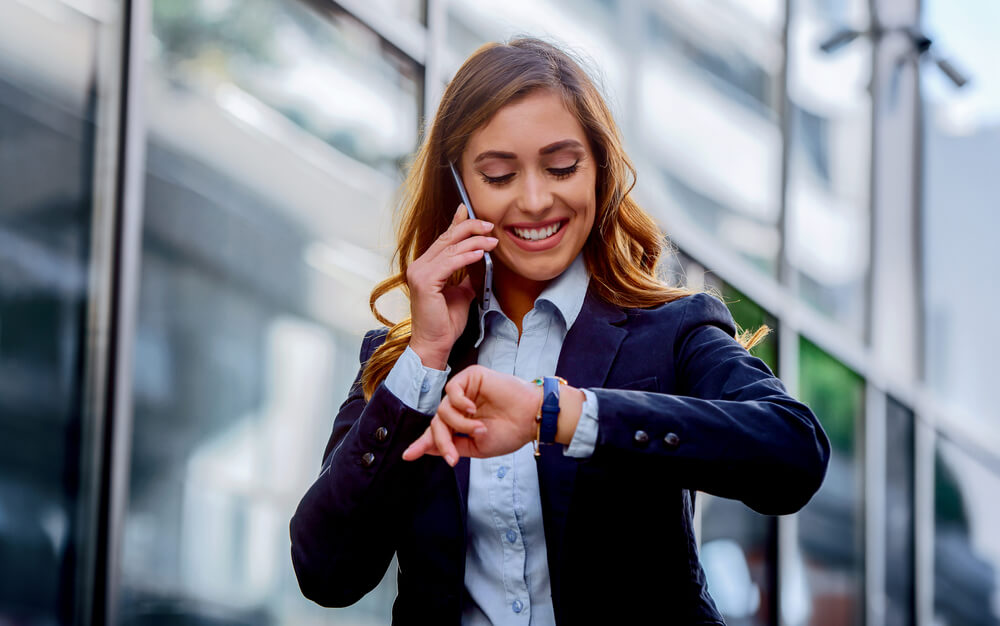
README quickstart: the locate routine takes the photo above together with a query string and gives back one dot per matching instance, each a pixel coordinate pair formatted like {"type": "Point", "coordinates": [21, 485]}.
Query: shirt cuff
{"type": "Point", "coordinates": [585, 437]}
{"type": "Point", "coordinates": [416, 386]}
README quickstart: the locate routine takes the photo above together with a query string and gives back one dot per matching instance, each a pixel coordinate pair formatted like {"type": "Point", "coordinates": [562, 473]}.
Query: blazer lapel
{"type": "Point", "coordinates": [590, 348]}
{"type": "Point", "coordinates": [585, 359]}
{"type": "Point", "coordinates": [463, 354]}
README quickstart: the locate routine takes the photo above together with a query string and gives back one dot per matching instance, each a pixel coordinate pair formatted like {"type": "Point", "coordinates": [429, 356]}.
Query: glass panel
{"type": "Point", "coordinates": [960, 217]}
{"type": "Point", "coordinates": [587, 27]}
{"type": "Point", "coordinates": [750, 316]}
{"type": "Point", "coordinates": [738, 545]}
{"type": "Point", "coordinates": [264, 198]}
{"type": "Point", "coordinates": [268, 63]}
{"type": "Point", "coordinates": [899, 530]}
{"type": "Point", "coordinates": [825, 582]}
{"type": "Point", "coordinates": [739, 554]}
{"type": "Point", "coordinates": [829, 159]}
{"type": "Point", "coordinates": [708, 83]}
{"type": "Point", "coordinates": [48, 124]}
{"type": "Point", "coordinates": [409, 10]}
{"type": "Point", "coordinates": [966, 542]}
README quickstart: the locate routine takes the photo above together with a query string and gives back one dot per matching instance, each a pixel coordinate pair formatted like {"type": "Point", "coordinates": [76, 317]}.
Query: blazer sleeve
{"type": "Point", "coordinates": [735, 432]}
{"type": "Point", "coordinates": [342, 533]}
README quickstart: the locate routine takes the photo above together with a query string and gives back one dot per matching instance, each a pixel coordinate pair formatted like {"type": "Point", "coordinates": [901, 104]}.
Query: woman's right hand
{"type": "Point", "coordinates": [439, 312]}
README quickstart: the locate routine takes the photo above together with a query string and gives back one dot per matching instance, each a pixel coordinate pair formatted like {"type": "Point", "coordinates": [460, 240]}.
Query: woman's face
{"type": "Point", "coordinates": [530, 171]}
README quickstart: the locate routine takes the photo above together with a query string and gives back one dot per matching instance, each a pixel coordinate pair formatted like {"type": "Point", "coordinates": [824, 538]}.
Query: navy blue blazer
{"type": "Point", "coordinates": [682, 407]}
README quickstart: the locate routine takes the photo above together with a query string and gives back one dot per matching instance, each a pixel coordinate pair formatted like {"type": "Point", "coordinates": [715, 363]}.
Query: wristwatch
{"type": "Point", "coordinates": [547, 418]}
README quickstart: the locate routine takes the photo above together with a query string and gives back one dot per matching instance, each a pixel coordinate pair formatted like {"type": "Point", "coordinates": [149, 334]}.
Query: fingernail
{"type": "Point", "coordinates": [493, 239]}
{"type": "Point", "coordinates": [450, 459]}
{"type": "Point", "coordinates": [487, 225]}
{"type": "Point", "coordinates": [481, 430]}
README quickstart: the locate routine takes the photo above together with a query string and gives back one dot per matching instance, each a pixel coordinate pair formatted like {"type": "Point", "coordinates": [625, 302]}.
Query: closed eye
{"type": "Point", "coordinates": [563, 172]}
{"type": "Point", "coordinates": [497, 180]}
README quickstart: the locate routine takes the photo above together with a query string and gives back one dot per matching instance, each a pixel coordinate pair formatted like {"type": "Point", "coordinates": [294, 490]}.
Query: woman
{"type": "Point", "coordinates": [662, 400]}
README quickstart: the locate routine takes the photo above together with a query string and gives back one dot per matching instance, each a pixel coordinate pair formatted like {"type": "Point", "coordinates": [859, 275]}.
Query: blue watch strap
{"type": "Point", "coordinates": [550, 409]}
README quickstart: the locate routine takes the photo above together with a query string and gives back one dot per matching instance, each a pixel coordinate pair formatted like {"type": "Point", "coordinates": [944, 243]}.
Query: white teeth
{"type": "Point", "coordinates": [536, 234]}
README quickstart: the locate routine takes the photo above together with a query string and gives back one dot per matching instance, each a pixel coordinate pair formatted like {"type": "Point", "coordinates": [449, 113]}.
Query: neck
{"type": "Point", "coordinates": [515, 294]}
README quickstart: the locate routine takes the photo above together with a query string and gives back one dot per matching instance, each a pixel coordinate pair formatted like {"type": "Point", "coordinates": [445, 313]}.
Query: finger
{"type": "Point", "coordinates": [458, 231]}
{"type": "Point", "coordinates": [458, 422]}
{"type": "Point", "coordinates": [423, 444]}
{"type": "Point", "coordinates": [443, 440]}
{"type": "Point", "coordinates": [461, 214]}
{"type": "Point", "coordinates": [467, 446]}
{"type": "Point", "coordinates": [455, 390]}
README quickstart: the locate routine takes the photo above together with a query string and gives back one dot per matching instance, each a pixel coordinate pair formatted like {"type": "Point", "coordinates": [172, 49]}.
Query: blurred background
{"type": "Point", "coordinates": [196, 200]}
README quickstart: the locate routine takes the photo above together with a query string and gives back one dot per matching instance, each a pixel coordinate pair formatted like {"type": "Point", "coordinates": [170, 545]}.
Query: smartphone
{"type": "Point", "coordinates": [488, 277]}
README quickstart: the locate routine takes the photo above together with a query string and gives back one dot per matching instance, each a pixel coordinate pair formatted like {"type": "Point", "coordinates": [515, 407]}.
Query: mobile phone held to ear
{"type": "Point", "coordinates": [488, 277]}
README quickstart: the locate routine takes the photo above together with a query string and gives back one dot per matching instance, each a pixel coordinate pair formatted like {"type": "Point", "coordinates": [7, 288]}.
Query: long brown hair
{"type": "Point", "coordinates": [623, 248]}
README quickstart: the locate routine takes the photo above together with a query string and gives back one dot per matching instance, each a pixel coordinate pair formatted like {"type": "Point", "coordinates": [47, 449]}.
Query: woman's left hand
{"type": "Point", "coordinates": [497, 412]}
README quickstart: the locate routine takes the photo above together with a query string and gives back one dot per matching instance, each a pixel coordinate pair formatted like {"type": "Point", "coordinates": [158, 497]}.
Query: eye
{"type": "Point", "coordinates": [563, 172]}
{"type": "Point", "coordinates": [497, 180]}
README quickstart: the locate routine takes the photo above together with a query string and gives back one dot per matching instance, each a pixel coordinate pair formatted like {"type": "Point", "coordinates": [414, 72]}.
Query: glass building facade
{"type": "Point", "coordinates": [196, 199]}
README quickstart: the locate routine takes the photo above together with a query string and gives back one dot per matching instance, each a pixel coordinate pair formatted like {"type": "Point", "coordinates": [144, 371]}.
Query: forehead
{"type": "Point", "coordinates": [527, 124]}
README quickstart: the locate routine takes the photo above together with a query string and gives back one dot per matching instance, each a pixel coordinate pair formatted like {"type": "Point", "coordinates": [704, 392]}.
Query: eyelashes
{"type": "Point", "coordinates": [559, 173]}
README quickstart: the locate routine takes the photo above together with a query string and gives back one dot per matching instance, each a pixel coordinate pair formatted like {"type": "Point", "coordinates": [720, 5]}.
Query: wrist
{"type": "Point", "coordinates": [570, 408]}
{"type": "Point", "coordinates": [429, 357]}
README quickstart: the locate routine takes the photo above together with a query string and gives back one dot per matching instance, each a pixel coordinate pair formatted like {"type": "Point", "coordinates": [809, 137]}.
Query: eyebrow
{"type": "Point", "coordinates": [549, 149]}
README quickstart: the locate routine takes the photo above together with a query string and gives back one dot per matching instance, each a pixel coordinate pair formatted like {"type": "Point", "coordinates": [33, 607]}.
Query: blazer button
{"type": "Point", "coordinates": [641, 437]}
{"type": "Point", "coordinates": [381, 434]}
{"type": "Point", "coordinates": [672, 440]}
{"type": "Point", "coordinates": [367, 459]}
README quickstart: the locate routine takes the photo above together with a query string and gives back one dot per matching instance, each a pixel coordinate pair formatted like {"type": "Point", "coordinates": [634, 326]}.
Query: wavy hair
{"type": "Point", "coordinates": [625, 245]}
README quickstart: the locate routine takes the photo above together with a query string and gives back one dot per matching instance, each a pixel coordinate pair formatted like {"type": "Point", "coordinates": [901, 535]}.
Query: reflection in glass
{"type": "Point", "coordinates": [961, 130]}
{"type": "Point", "coordinates": [278, 54]}
{"type": "Point", "coordinates": [48, 123]}
{"type": "Point", "coordinates": [748, 315]}
{"type": "Point", "coordinates": [268, 170]}
{"type": "Point", "coordinates": [587, 28]}
{"type": "Point", "coordinates": [738, 546]}
{"type": "Point", "coordinates": [709, 93]}
{"type": "Point", "coordinates": [825, 584]}
{"type": "Point", "coordinates": [899, 506]}
{"type": "Point", "coordinates": [966, 542]}
{"type": "Point", "coordinates": [828, 185]}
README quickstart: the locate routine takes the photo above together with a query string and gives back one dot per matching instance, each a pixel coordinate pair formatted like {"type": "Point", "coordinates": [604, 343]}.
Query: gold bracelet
{"type": "Point", "coordinates": [538, 416]}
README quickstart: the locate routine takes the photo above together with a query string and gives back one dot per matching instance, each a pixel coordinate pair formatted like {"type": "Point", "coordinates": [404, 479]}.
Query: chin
{"type": "Point", "coordinates": [542, 272]}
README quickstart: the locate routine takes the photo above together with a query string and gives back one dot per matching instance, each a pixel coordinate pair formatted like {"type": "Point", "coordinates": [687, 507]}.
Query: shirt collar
{"type": "Point", "coordinates": [565, 293]}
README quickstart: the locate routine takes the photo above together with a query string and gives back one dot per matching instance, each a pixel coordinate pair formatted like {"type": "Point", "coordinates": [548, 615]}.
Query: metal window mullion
{"type": "Point", "coordinates": [786, 526]}
{"type": "Point", "coordinates": [437, 25]}
{"type": "Point", "coordinates": [923, 516]}
{"type": "Point", "coordinates": [127, 244]}
{"type": "Point", "coordinates": [874, 506]}
{"type": "Point", "coordinates": [97, 349]}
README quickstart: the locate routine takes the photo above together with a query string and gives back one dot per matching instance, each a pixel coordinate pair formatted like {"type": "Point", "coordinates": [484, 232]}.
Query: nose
{"type": "Point", "coordinates": [535, 197]}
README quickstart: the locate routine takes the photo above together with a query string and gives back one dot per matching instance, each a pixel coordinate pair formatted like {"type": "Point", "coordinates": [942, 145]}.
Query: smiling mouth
{"type": "Point", "coordinates": [537, 234]}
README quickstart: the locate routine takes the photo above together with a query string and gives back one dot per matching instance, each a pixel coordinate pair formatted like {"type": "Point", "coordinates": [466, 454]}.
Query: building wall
{"type": "Point", "coordinates": [196, 200]}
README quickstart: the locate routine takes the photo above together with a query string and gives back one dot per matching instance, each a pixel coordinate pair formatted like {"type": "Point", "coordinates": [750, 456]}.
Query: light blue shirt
{"type": "Point", "coordinates": [506, 563]}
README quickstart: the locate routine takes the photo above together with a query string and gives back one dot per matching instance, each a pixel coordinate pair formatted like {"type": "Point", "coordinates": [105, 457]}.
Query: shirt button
{"type": "Point", "coordinates": [511, 536]}
{"type": "Point", "coordinates": [672, 440]}
{"type": "Point", "coordinates": [502, 471]}
{"type": "Point", "coordinates": [381, 433]}
{"type": "Point", "coordinates": [367, 459]}
{"type": "Point", "coordinates": [641, 438]}
{"type": "Point", "coordinates": [425, 386]}
{"type": "Point", "coordinates": [517, 606]}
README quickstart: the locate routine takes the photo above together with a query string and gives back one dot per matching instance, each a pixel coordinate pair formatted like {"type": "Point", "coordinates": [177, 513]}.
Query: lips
{"type": "Point", "coordinates": [537, 236]}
